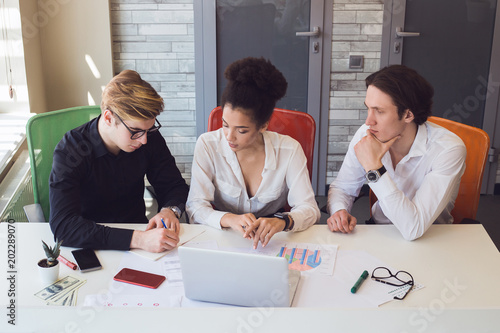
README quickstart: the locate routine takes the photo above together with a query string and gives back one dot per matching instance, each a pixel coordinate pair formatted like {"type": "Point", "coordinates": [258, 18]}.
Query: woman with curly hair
{"type": "Point", "coordinates": [242, 174]}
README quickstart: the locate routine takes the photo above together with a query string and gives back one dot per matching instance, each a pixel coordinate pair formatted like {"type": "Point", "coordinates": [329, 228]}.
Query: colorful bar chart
{"type": "Point", "coordinates": [301, 259]}
{"type": "Point", "coordinates": [308, 258]}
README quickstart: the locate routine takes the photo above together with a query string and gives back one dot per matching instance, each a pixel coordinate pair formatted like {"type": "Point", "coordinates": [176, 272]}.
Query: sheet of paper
{"type": "Point", "coordinates": [400, 291]}
{"type": "Point", "coordinates": [315, 289]}
{"type": "Point", "coordinates": [172, 264]}
{"type": "Point", "coordinates": [185, 235]}
{"type": "Point", "coordinates": [120, 294]}
{"type": "Point", "coordinates": [309, 259]}
{"type": "Point", "coordinates": [335, 291]}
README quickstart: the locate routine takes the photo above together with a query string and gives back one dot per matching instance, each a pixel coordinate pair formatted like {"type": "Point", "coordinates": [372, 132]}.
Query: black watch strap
{"type": "Point", "coordinates": [381, 171]}
{"type": "Point", "coordinates": [288, 220]}
{"type": "Point", "coordinates": [373, 176]}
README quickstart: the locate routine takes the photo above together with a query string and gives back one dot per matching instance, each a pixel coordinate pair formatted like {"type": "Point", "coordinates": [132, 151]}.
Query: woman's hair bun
{"type": "Point", "coordinates": [260, 73]}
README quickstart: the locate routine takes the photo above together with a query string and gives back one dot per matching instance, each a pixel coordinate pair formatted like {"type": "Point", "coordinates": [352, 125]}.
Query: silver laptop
{"type": "Point", "coordinates": [237, 278]}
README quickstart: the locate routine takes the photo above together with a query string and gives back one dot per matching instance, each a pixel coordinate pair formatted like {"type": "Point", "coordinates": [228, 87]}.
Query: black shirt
{"type": "Point", "coordinates": [88, 184]}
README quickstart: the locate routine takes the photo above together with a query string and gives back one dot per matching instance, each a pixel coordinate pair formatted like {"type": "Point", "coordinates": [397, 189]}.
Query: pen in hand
{"type": "Point", "coordinates": [358, 283]}
{"type": "Point", "coordinates": [163, 221]}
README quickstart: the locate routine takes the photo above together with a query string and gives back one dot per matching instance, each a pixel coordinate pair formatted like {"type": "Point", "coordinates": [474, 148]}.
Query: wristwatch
{"type": "Point", "coordinates": [177, 211]}
{"type": "Point", "coordinates": [289, 223]}
{"type": "Point", "coordinates": [373, 176]}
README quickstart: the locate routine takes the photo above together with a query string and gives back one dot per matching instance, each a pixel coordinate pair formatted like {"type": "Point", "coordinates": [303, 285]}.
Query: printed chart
{"type": "Point", "coordinates": [301, 259]}
{"type": "Point", "coordinates": [306, 258]}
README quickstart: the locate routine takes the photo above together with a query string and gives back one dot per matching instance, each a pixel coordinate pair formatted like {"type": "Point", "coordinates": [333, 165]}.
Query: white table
{"type": "Point", "coordinates": [446, 256]}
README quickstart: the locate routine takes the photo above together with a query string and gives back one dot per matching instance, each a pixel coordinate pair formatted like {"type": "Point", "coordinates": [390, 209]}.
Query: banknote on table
{"type": "Point", "coordinates": [61, 292]}
{"type": "Point", "coordinates": [66, 298]}
{"type": "Point", "coordinates": [69, 299]}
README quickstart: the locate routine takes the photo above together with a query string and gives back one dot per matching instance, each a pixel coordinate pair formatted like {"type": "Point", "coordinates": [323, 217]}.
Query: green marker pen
{"type": "Point", "coordinates": [358, 283]}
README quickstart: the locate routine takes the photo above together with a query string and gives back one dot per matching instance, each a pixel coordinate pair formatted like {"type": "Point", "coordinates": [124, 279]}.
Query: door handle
{"type": "Point", "coordinates": [400, 33]}
{"type": "Point", "coordinates": [314, 33]}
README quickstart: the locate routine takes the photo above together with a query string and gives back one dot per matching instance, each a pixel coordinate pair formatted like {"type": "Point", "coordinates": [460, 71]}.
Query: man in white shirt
{"type": "Point", "coordinates": [413, 166]}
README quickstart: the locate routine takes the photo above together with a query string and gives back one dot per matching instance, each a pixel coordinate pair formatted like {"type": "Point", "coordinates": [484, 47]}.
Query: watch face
{"type": "Point", "coordinates": [176, 210]}
{"type": "Point", "coordinates": [372, 176]}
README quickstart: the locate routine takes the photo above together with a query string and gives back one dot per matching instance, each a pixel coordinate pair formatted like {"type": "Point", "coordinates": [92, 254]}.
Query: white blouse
{"type": "Point", "coordinates": [217, 181]}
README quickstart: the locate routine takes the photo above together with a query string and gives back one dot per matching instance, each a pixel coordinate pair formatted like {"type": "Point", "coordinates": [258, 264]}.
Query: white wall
{"type": "Point", "coordinates": [64, 40]}
{"type": "Point", "coordinates": [33, 56]}
{"type": "Point", "coordinates": [52, 47]}
{"type": "Point", "coordinates": [76, 32]}
{"type": "Point", "coordinates": [12, 57]}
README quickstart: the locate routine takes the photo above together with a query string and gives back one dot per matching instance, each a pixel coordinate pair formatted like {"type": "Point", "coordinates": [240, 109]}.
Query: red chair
{"type": "Point", "coordinates": [298, 125]}
{"type": "Point", "coordinates": [477, 143]}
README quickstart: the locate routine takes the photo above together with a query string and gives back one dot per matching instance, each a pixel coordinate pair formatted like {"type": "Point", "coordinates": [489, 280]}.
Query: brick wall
{"type": "Point", "coordinates": [357, 30]}
{"type": "Point", "coordinates": [156, 39]}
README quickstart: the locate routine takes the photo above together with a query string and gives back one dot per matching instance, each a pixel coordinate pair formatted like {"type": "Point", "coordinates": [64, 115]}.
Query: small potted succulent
{"type": "Point", "coordinates": [49, 267]}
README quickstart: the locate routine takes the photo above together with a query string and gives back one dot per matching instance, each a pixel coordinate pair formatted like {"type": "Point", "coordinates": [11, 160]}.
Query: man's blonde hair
{"type": "Point", "coordinates": [130, 97]}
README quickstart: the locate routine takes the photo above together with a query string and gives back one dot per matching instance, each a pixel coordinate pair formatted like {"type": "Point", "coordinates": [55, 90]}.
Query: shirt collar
{"type": "Point", "coordinates": [223, 149]}
{"type": "Point", "coordinates": [419, 146]}
{"type": "Point", "coordinates": [97, 143]}
{"type": "Point", "coordinates": [270, 162]}
{"type": "Point", "coordinates": [223, 146]}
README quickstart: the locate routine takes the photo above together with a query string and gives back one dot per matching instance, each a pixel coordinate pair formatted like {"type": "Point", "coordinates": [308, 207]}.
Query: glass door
{"type": "Point", "coordinates": [450, 43]}
{"type": "Point", "coordinates": [266, 30]}
{"type": "Point", "coordinates": [290, 33]}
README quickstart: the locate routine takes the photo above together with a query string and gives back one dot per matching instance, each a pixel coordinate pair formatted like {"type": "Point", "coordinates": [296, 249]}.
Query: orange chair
{"type": "Point", "coordinates": [477, 143]}
{"type": "Point", "coordinates": [298, 125]}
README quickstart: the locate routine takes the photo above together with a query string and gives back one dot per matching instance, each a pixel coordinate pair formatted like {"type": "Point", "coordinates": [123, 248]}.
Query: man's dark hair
{"type": "Point", "coordinates": [407, 88]}
{"type": "Point", "coordinates": [255, 85]}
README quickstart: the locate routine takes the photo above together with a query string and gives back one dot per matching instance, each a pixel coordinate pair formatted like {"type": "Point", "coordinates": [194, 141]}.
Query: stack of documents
{"type": "Point", "coordinates": [63, 292]}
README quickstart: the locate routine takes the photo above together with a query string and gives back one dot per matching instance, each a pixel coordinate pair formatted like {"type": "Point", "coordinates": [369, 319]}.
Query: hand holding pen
{"type": "Point", "coordinates": [165, 219]}
{"type": "Point", "coordinates": [162, 233]}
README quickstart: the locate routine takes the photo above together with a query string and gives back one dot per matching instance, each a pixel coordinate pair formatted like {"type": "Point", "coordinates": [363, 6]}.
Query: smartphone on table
{"type": "Point", "coordinates": [139, 278]}
{"type": "Point", "coordinates": [86, 259]}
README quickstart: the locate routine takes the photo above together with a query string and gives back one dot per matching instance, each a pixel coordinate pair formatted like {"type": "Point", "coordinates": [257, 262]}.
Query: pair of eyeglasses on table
{"type": "Point", "coordinates": [400, 279]}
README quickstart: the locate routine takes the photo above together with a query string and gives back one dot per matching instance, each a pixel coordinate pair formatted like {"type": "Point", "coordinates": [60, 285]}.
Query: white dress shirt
{"type": "Point", "coordinates": [420, 191]}
{"type": "Point", "coordinates": [217, 179]}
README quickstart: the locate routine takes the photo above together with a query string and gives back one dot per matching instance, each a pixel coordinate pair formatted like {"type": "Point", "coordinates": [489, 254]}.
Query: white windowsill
{"type": "Point", "coordinates": [12, 135]}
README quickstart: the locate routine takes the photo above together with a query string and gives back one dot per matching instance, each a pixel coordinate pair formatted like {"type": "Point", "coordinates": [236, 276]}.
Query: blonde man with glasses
{"type": "Point", "coordinates": [98, 174]}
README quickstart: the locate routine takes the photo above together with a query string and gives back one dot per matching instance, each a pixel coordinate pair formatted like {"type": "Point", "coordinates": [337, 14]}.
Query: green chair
{"type": "Point", "coordinates": [43, 133]}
